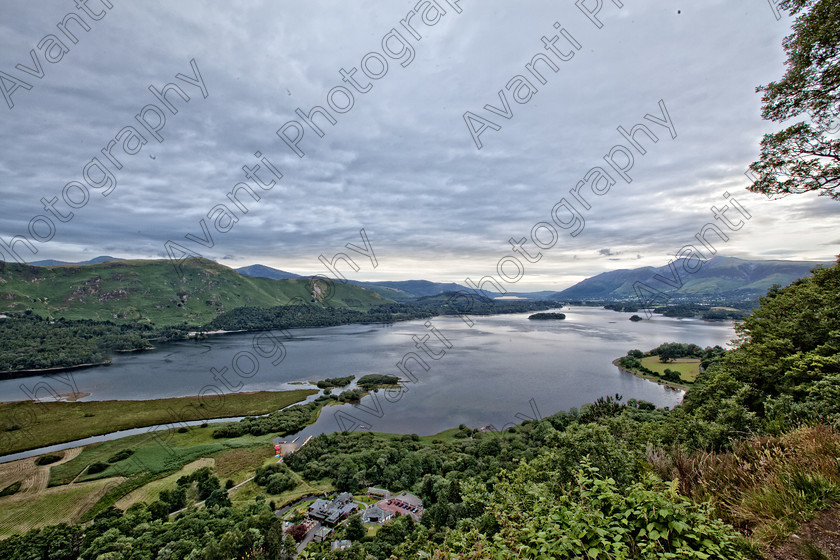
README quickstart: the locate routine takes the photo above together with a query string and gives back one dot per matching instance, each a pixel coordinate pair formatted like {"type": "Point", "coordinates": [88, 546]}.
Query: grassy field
{"type": "Point", "coordinates": [149, 492]}
{"type": "Point", "coordinates": [58, 422]}
{"type": "Point", "coordinates": [235, 463]}
{"type": "Point", "coordinates": [158, 452]}
{"type": "Point", "coordinates": [688, 368]}
{"type": "Point", "coordinates": [66, 504]}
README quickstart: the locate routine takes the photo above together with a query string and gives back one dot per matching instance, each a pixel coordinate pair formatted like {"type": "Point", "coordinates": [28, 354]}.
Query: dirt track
{"type": "Point", "coordinates": [34, 479]}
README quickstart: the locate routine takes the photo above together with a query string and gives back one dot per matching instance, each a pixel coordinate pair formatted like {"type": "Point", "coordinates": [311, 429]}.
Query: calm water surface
{"type": "Point", "coordinates": [501, 367]}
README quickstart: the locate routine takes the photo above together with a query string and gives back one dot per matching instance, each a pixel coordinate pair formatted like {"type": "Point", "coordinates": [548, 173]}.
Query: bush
{"type": "Point", "coordinates": [47, 459]}
{"type": "Point", "coordinates": [97, 467]}
{"type": "Point", "coordinates": [10, 489]}
{"type": "Point", "coordinates": [121, 456]}
{"type": "Point", "coordinates": [279, 483]}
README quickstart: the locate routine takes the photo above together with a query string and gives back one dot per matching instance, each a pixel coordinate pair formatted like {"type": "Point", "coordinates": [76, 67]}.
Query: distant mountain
{"type": "Point", "coordinates": [719, 278]}
{"type": "Point", "coordinates": [262, 271]}
{"type": "Point", "coordinates": [406, 290]}
{"type": "Point", "coordinates": [152, 291]}
{"type": "Point", "coordinates": [97, 260]}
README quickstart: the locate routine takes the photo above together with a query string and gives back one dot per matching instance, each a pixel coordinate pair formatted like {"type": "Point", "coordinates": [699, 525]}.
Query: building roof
{"type": "Point", "coordinates": [324, 532]}
{"type": "Point", "coordinates": [339, 512]}
{"type": "Point", "coordinates": [409, 499]}
{"type": "Point", "coordinates": [344, 497]}
{"type": "Point", "coordinates": [377, 512]}
{"type": "Point", "coordinates": [340, 545]}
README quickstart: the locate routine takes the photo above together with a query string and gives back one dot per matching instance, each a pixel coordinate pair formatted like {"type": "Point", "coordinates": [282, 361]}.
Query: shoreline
{"type": "Point", "coordinates": [651, 378]}
{"type": "Point", "coordinates": [32, 372]}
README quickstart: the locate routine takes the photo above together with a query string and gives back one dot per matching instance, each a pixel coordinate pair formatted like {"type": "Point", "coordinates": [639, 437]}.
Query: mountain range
{"type": "Point", "coordinates": [719, 278]}
{"type": "Point", "coordinates": [401, 291]}
{"type": "Point", "coordinates": [116, 289]}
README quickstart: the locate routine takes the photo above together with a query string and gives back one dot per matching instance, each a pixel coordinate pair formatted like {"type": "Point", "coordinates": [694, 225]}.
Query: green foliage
{"type": "Point", "coordinates": [32, 343]}
{"type": "Point", "coordinates": [785, 348]}
{"type": "Point", "coordinates": [541, 515]}
{"type": "Point", "coordinates": [121, 455]}
{"type": "Point", "coordinates": [276, 478]}
{"type": "Point", "coordinates": [97, 467]}
{"type": "Point", "coordinates": [354, 530]}
{"type": "Point", "coordinates": [10, 489]}
{"type": "Point", "coordinates": [374, 380]}
{"type": "Point", "coordinates": [547, 316]}
{"type": "Point", "coordinates": [305, 314]}
{"type": "Point", "coordinates": [353, 395]}
{"type": "Point", "coordinates": [333, 382]}
{"type": "Point", "coordinates": [48, 459]}
{"type": "Point", "coordinates": [805, 156]}
{"type": "Point", "coordinates": [289, 420]}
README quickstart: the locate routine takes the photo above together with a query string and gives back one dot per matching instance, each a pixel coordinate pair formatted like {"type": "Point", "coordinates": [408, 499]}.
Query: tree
{"type": "Point", "coordinates": [298, 532]}
{"type": "Point", "coordinates": [803, 157]}
{"type": "Point", "coordinates": [355, 530]}
{"type": "Point", "coordinates": [218, 498]}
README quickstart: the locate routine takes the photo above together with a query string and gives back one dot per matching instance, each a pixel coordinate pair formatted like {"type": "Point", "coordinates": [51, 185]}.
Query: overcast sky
{"type": "Point", "coordinates": [401, 163]}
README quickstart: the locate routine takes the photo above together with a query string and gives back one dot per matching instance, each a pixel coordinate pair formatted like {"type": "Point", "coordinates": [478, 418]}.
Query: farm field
{"type": "Point", "coordinates": [65, 504]}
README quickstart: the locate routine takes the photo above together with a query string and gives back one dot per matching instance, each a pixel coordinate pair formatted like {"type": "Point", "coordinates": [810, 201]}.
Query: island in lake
{"type": "Point", "coordinates": [547, 316]}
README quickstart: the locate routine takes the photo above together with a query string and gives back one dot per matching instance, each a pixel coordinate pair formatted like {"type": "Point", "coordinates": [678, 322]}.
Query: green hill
{"type": "Point", "coordinates": [153, 292]}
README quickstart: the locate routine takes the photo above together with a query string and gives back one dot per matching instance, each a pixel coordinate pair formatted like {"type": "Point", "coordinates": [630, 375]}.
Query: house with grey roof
{"type": "Point", "coordinates": [375, 514]}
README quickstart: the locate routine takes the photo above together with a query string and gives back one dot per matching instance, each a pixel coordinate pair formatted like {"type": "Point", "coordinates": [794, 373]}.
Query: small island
{"type": "Point", "coordinates": [547, 316]}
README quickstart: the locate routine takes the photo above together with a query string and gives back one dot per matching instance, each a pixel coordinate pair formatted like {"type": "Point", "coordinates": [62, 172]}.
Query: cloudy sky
{"type": "Point", "coordinates": [400, 162]}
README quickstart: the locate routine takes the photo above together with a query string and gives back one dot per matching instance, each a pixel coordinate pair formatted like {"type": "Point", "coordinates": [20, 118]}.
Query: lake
{"type": "Point", "coordinates": [500, 370]}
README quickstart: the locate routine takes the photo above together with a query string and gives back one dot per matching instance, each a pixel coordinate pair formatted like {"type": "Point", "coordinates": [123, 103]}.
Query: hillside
{"type": "Point", "coordinates": [95, 260]}
{"type": "Point", "coordinates": [721, 278]}
{"type": "Point", "coordinates": [407, 290]}
{"type": "Point", "coordinates": [262, 271]}
{"type": "Point", "coordinates": [152, 292]}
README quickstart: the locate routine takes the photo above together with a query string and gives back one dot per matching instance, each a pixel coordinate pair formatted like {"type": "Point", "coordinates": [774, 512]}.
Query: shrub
{"type": "Point", "coordinates": [97, 467]}
{"type": "Point", "coordinates": [121, 455]}
{"type": "Point", "coordinates": [10, 489]}
{"type": "Point", "coordinates": [279, 483]}
{"type": "Point", "coordinates": [47, 459]}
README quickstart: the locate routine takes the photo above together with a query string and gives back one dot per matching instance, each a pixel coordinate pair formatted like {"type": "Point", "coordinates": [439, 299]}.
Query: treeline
{"type": "Point", "coordinates": [317, 315]}
{"type": "Point", "coordinates": [725, 311]}
{"type": "Point", "coordinates": [334, 382]}
{"type": "Point", "coordinates": [374, 380]}
{"type": "Point", "coordinates": [29, 342]}
{"type": "Point", "coordinates": [282, 422]}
